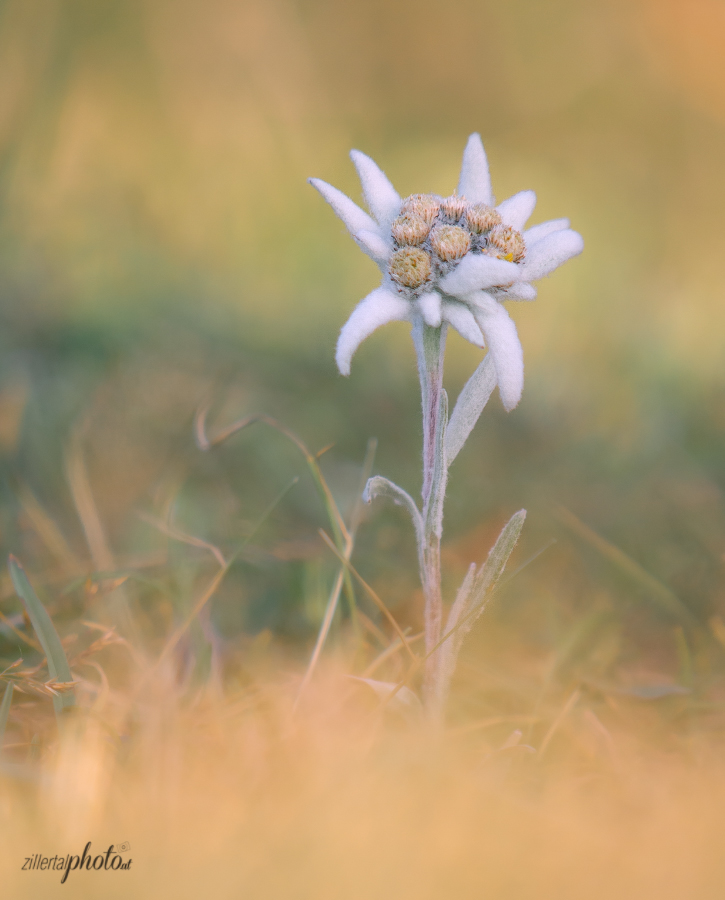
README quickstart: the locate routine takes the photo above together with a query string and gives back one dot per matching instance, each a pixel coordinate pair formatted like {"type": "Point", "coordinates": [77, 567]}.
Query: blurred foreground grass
{"type": "Point", "coordinates": [236, 797]}
{"type": "Point", "coordinates": [160, 251]}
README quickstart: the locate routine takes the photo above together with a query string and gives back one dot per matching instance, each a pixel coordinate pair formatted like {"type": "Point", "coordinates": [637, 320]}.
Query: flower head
{"type": "Point", "coordinates": [450, 259]}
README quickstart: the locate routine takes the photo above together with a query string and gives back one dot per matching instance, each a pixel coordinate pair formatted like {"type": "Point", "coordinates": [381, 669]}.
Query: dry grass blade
{"type": "Point", "coordinates": [49, 689]}
{"type": "Point", "coordinates": [85, 504]}
{"type": "Point", "coordinates": [344, 538]}
{"type": "Point", "coordinates": [563, 713]}
{"type": "Point", "coordinates": [47, 530]}
{"type": "Point", "coordinates": [206, 596]}
{"type": "Point", "coordinates": [206, 443]}
{"type": "Point", "coordinates": [101, 554]}
{"type": "Point", "coordinates": [109, 638]}
{"type": "Point", "coordinates": [343, 576]}
{"type": "Point", "coordinates": [390, 651]}
{"type": "Point", "coordinates": [665, 598]}
{"type": "Point", "coordinates": [371, 593]}
{"type": "Point", "coordinates": [492, 721]}
{"type": "Point", "coordinates": [367, 468]}
{"type": "Point", "coordinates": [184, 538]}
{"type": "Point", "coordinates": [26, 639]}
{"type": "Point", "coordinates": [24, 680]}
{"type": "Point", "coordinates": [330, 610]}
{"type": "Point", "coordinates": [368, 624]}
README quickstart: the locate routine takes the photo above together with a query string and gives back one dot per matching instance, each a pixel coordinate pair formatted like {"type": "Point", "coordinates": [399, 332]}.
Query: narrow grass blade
{"type": "Point", "coordinates": [85, 503]}
{"type": "Point", "coordinates": [4, 710]}
{"type": "Point", "coordinates": [217, 580]}
{"type": "Point", "coordinates": [343, 537]}
{"type": "Point", "coordinates": [371, 593]}
{"type": "Point", "coordinates": [367, 469]}
{"type": "Point", "coordinates": [47, 635]}
{"type": "Point", "coordinates": [554, 727]}
{"type": "Point", "coordinates": [7, 626]}
{"type": "Point", "coordinates": [47, 530]}
{"type": "Point", "coordinates": [668, 602]}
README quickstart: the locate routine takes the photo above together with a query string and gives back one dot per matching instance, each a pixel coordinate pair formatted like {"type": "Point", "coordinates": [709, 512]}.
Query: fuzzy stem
{"type": "Point", "coordinates": [430, 349]}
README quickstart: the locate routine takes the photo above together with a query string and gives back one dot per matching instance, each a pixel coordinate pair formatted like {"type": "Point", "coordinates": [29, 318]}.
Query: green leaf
{"type": "Point", "coordinates": [47, 635]}
{"type": "Point", "coordinates": [4, 710]}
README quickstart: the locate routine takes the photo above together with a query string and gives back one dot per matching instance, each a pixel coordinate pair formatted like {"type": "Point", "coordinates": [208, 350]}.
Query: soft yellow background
{"type": "Point", "coordinates": [161, 249]}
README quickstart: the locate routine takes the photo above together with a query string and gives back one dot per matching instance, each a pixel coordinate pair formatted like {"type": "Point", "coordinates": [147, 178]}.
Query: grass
{"type": "Point", "coordinates": [242, 794]}
{"type": "Point", "coordinates": [568, 763]}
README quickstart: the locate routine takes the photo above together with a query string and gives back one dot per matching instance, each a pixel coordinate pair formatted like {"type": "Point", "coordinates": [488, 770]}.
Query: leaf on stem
{"type": "Point", "coordinates": [472, 599]}
{"type": "Point", "coordinates": [469, 406]}
{"type": "Point", "coordinates": [461, 601]}
{"type": "Point", "coordinates": [47, 635]}
{"type": "Point", "coordinates": [378, 486]}
{"type": "Point", "coordinates": [493, 568]}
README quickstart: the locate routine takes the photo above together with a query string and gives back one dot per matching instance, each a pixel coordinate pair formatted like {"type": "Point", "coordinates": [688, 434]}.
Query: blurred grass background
{"type": "Point", "coordinates": [160, 248]}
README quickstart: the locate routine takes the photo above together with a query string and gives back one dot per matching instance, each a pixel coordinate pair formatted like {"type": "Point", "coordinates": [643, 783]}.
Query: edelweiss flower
{"type": "Point", "coordinates": [452, 259]}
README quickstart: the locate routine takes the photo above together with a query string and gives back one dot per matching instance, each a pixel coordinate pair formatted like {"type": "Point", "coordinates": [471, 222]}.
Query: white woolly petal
{"type": "Point", "coordinates": [354, 218]}
{"type": "Point", "coordinates": [461, 318]}
{"type": "Point", "coordinates": [521, 291]}
{"type": "Point", "coordinates": [430, 308]}
{"type": "Point", "coordinates": [517, 209]}
{"type": "Point", "coordinates": [378, 308]}
{"type": "Point", "coordinates": [371, 243]}
{"type": "Point", "coordinates": [475, 181]}
{"type": "Point", "coordinates": [380, 195]}
{"type": "Point", "coordinates": [482, 302]}
{"type": "Point", "coordinates": [476, 271]}
{"type": "Point", "coordinates": [547, 254]}
{"type": "Point", "coordinates": [540, 231]}
{"type": "Point", "coordinates": [505, 349]}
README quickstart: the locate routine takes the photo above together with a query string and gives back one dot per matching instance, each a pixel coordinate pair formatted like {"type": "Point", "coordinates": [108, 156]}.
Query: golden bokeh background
{"type": "Point", "coordinates": [160, 248]}
{"type": "Point", "coordinates": [158, 237]}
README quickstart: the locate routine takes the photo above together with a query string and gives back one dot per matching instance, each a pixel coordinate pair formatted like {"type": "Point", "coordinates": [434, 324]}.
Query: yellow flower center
{"type": "Point", "coordinates": [431, 234]}
{"type": "Point", "coordinates": [424, 205]}
{"type": "Point", "coordinates": [410, 267]}
{"type": "Point", "coordinates": [450, 242]}
{"type": "Point", "coordinates": [454, 207]}
{"type": "Point", "coordinates": [506, 243]}
{"type": "Point", "coordinates": [410, 230]}
{"type": "Point", "coordinates": [480, 218]}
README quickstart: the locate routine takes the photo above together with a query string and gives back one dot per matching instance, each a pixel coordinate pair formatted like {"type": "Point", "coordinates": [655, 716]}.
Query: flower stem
{"type": "Point", "coordinates": [430, 349]}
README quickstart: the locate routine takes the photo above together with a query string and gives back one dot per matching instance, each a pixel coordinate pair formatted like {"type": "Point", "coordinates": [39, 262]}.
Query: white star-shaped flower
{"type": "Point", "coordinates": [450, 259]}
